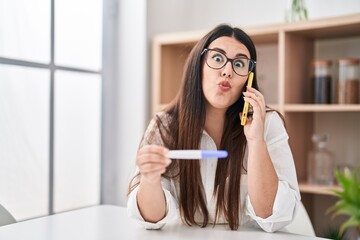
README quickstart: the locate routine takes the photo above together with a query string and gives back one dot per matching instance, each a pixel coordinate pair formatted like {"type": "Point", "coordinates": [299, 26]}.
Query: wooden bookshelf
{"type": "Point", "coordinates": [318, 189]}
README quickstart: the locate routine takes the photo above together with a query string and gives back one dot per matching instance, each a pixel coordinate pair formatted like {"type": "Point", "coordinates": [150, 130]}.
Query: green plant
{"type": "Point", "coordinates": [348, 202]}
{"type": "Point", "coordinates": [297, 11]}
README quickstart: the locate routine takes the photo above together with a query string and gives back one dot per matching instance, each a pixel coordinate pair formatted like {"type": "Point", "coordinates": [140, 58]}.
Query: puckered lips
{"type": "Point", "coordinates": [224, 85]}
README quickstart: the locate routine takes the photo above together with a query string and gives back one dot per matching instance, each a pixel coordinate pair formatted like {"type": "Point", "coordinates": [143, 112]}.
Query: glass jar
{"type": "Point", "coordinates": [348, 82]}
{"type": "Point", "coordinates": [321, 79]}
{"type": "Point", "coordinates": [320, 162]}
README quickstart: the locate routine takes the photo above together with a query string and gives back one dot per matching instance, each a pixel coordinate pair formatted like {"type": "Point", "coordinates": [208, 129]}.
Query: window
{"type": "Point", "coordinates": [50, 105]}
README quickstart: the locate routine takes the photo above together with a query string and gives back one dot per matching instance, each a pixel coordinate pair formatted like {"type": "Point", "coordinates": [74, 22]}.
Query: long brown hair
{"type": "Point", "coordinates": [183, 130]}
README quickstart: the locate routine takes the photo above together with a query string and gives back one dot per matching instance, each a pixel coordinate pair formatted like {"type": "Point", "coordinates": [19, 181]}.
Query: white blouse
{"type": "Point", "coordinates": [287, 196]}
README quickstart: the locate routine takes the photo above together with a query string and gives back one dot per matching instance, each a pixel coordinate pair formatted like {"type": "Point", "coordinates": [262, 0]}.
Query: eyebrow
{"type": "Point", "coordinates": [237, 55]}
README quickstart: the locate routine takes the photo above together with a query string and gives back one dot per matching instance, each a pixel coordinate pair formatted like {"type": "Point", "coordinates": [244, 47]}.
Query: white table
{"type": "Point", "coordinates": [111, 222]}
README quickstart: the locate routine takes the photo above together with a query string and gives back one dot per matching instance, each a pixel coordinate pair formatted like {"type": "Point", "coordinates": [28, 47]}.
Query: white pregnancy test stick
{"type": "Point", "coordinates": [196, 154]}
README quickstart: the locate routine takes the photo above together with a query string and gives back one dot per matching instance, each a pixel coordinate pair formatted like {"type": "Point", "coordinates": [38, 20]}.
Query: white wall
{"type": "Point", "coordinates": [175, 15]}
{"type": "Point", "coordinates": [131, 89]}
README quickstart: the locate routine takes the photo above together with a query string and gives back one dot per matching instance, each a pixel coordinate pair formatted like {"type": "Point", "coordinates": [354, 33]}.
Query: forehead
{"type": "Point", "coordinates": [230, 45]}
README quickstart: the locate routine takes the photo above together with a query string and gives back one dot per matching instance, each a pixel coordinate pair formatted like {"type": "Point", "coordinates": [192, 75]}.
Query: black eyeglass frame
{"type": "Point", "coordinates": [251, 66]}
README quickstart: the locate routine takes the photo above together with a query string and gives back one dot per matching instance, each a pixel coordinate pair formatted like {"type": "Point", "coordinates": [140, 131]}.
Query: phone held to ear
{"type": "Point", "coordinates": [246, 105]}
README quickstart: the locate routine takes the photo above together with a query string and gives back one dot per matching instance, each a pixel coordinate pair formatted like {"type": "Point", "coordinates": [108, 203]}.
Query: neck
{"type": "Point", "coordinates": [214, 124]}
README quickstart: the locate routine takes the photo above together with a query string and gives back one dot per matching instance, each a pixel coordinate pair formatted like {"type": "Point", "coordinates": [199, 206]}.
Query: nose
{"type": "Point", "coordinates": [227, 70]}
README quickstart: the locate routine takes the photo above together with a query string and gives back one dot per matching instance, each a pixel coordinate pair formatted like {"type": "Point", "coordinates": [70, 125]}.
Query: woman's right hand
{"type": "Point", "coordinates": [152, 162]}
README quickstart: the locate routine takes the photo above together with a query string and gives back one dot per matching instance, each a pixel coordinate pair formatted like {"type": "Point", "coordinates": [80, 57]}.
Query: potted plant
{"type": "Point", "coordinates": [348, 202]}
{"type": "Point", "coordinates": [297, 11]}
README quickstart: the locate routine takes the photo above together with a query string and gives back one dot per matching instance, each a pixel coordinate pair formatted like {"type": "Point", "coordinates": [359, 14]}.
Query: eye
{"type": "Point", "coordinates": [239, 63]}
{"type": "Point", "coordinates": [218, 58]}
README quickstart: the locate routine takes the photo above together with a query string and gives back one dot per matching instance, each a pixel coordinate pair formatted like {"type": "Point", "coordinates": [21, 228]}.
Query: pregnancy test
{"type": "Point", "coordinates": [246, 105]}
{"type": "Point", "coordinates": [196, 154]}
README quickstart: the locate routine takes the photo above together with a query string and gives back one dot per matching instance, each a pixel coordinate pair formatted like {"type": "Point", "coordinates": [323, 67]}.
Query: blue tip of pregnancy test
{"type": "Point", "coordinates": [214, 154]}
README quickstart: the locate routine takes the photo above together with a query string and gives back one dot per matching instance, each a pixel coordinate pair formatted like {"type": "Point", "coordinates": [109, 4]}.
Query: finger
{"type": "Point", "coordinates": [153, 153]}
{"type": "Point", "coordinates": [258, 98]}
{"type": "Point", "coordinates": [250, 95]}
{"type": "Point", "coordinates": [152, 168]}
{"type": "Point", "coordinates": [255, 91]}
{"type": "Point", "coordinates": [248, 121]}
{"type": "Point", "coordinates": [153, 149]}
{"type": "Point", "coordinates": [255, 95]}
{"type": "Point", "coordinates": [152, 158]}
{"type": "Point", "coordinates": [257, 109]}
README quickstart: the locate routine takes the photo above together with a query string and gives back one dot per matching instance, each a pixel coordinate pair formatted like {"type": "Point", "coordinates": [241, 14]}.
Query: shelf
{"type": "Point", "coordinates": [317, 189]}
{"type": "Point", "coordinates": [322, 107]}
{"type": "Point", "coordinates": [326, 28]}
{"type": "Point", "coordinates": [274, 106]}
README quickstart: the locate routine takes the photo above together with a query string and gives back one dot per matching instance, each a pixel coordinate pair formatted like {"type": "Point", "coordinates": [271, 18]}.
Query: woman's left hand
{"type": "Point", "coordinates": [254, 128]}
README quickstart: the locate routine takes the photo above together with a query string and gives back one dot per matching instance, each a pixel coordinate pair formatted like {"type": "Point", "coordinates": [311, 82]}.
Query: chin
{"type": "Point", "coordinates": [220, 103]}
{"type": "Point", "coordinates": [220, 106]}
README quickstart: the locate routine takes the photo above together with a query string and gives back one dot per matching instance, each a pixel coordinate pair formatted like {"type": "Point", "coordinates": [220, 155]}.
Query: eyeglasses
{"type": "Point", "coordinates": [216, 60]}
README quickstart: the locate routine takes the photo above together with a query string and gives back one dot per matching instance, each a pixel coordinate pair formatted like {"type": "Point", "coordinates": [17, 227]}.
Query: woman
{"type": "Point", "coordinates": [255, 185]}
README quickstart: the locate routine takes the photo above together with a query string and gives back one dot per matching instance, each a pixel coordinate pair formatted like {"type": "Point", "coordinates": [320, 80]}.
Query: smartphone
{"type": "Point", "coordinates": [246, 105]}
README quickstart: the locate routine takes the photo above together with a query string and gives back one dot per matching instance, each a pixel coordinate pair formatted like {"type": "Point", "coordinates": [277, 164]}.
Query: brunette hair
{"type": "Point", "coordinates": [183, 129]}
